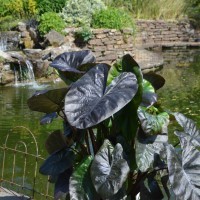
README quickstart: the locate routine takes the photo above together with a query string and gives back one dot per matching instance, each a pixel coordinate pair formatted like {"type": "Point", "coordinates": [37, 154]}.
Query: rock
{"type": "Point", "coordinates": [6, 78]}
{"type": "Point", "coordinates": [33, 54]}
{"type": "Point", "coordinates": [5, 56]}
{"type": "Point", "coordinates": [21, 26]}
{"type": "Point", "coordinates": [54, 38]}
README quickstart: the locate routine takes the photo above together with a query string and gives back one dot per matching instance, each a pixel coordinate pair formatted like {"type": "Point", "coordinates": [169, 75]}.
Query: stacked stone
{"type": "Point", "coordinates": [109, 44]}
{"type": "Point", "coordinates": [159, 31]}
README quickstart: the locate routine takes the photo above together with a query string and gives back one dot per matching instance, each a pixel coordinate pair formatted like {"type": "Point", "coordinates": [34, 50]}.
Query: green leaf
{"type": "Point", "coordinates": [109, 170]}
{"type": "Point", "coordinates": [153, 123]}
{"type": "Point", "coordinates": [127, 120]}
{"type": "Point", "coordinates": [47, 101]}
{"type": "Point", "coordinates": [80, 185]}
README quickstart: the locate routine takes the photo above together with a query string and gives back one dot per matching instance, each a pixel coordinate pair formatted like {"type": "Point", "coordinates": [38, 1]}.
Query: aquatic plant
{"type": "Point", "coordinates": [114, 143]}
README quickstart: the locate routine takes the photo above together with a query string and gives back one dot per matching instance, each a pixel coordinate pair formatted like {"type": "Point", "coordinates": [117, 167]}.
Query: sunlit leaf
{"type": "Point", "coordinates": [47, 101]}
{"type": "Point", "coordinates": [57, 162]}
{"type": "Point", "coordinates": [184, 172]}
{"type": "Point", "coordinates": [70, 61]}
{"type": "Point", "coordinates": [109, 170]}
{"type": "Point", "coordinates": [149, 150]}
{"type": "Point", "coordinates": [71, 65]}
{"type": "Point", "coordinates": [190, 130]}
{"type": "Point", "coordinates": [89, 101]}
{"type": "Point", "coordinates": [55, 142]}
{"type": "Point", "coordinates": [126, 116]}
{"type": "Point", "coordinates": [153, 123]}
{"type": "Point", "coordinates": [80, 186]}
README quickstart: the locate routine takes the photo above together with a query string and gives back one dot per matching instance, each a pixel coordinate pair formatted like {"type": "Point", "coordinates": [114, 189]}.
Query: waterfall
{"type": "Point", "coordinates": [30, 73]}
{"type": "Point", "coordinates": [3, 43]}
{"type": "Point", "coordinates": [24, 74]}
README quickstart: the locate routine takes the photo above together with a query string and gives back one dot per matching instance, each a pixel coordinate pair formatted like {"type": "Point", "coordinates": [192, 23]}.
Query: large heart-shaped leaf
{"type": "Point", "coordinates": [153, 123]}
{"type": "Point", "coordinates": [190, 130]}
{"type": "Point", "coordinates": [62, 185]}
{"type": "Point", "coordinates": [80, 186]}
{"type": "Point", "coordinates": [70, 61]}
{"type": "Point", "coordinates": [184, 173]}
{"type": "Point", "coordinates": [47, 101]}
{"type": "Point", "coordinates": [149, 150]}
{"type": "Point", "coordinates": [89, 101]}
{"type": "Point", "coordinates": [155, 79]}
{"type": "Point", "coordinates": [58, 162]}
{"type": "Point", "coordinates": [55, 141]}
{"type": "Point", "coordinates": [109, 170]}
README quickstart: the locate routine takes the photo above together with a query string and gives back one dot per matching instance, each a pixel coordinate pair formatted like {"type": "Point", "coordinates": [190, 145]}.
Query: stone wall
{"type": "Point", "coordinates": [161, 32]}
{"type": "Point", "coordinates": [109, 44]}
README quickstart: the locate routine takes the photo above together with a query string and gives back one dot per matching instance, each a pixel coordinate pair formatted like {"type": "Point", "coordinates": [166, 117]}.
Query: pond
{"type": "Point", "coordinates": [181, 93]}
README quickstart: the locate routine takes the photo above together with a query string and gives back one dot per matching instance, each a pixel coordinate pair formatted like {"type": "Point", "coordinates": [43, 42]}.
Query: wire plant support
{"type": "Point", "coordinates": [23, 178]}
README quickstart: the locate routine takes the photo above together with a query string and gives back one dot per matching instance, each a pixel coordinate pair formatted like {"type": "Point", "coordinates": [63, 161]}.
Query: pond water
{"type": "Point", "coordinates": [181, 93]}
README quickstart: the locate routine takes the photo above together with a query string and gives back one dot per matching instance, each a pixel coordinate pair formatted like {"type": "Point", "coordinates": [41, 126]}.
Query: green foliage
{"type": "Point", "coordinates": [50, 21]}
{"type": "Point", "coordinates": [193, 12]}
{"type": "Point", "coordinates": [79, 12]}
{"type": "Point", "coordinates": [18, 8]}
{"type": "Point", "coordinates": [8, 22]}
{"type": "Point", "coordinates": [112, 18]}
{"type": "Point", "coordinates": [50, 6]}
{"type": "Point", "coordinates": [100, 155]}
{"type": "Point", "coordinates": [151, 9]}
{"type": "Point", "coordinates": [84, 34]}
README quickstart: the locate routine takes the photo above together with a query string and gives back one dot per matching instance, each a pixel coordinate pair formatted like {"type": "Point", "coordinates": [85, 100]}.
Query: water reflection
{"type": "Point", "coordinates": [181, 92]}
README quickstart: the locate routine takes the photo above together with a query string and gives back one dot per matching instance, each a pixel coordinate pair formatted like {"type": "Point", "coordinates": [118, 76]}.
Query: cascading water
{"type": "Point", "coordinates": [3, 42]}
{"type": "Point", "coordinates": [24, 74]}
{"type": "Point", "coordinates": [30, 73]}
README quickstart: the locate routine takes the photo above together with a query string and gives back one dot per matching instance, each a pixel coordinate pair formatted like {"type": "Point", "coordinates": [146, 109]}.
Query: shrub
{"type": "Point", "coordinates": [50, 21]}
{"type": "Point", "coordinates": [111, 18]}
{"type": "Point", "coordinates": [50, 6]}
{"type": "Point", "coordinates": [84, 34]}
{"type": "Point", "coordinates": [79, 12]}
{"type": "Point", "coordinates": [193, 11]}
{"type": "Point", "coordinates": [18, 8]}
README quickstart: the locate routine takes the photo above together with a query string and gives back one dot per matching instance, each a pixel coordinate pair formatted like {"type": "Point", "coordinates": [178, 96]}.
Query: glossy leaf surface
{"type": "Point", "coordinates": [153, 123]}
{"type": "Point", "coordinates": [148, 150]}
{"type": "Point", "coordinates": [109, 170]}
{"type": "Point", "coordinates": [47, 101]}
{"type": "Point", "coordinates": [81, 187]}
{"type": "Point", "coordinates": [55, 142]}
{"type": "Point", "coordinates": [57, 162]}
{"type": "Point", "coordinates": [89, 101]}
{"type": "Point", "coordinates": [190, 130]}
{"type": "Point", "coordinates": [184, 172]}
{"type": "Point", "coordinates": [70, 61]}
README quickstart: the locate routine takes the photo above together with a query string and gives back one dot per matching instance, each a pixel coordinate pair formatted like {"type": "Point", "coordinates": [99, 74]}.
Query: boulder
{"type": "Point", "coordinates": [53, 38]}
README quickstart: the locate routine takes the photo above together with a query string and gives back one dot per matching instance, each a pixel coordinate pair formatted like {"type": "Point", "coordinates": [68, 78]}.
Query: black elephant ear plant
{"type": "Point", "coordinates": [114, 141]}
